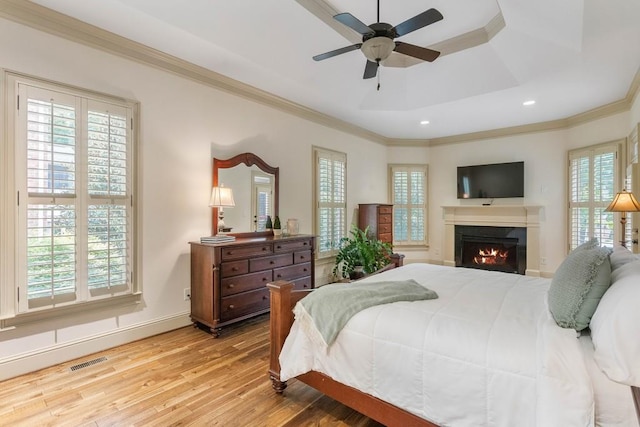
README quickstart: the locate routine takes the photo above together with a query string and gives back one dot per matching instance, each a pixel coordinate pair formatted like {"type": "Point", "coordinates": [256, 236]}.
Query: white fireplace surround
{"type": "Point", "coordinates": [495, 216]}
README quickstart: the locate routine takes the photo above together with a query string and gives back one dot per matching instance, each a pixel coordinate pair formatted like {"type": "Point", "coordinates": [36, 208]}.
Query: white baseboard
{"type": "Point", "coordinates": [43, 358]}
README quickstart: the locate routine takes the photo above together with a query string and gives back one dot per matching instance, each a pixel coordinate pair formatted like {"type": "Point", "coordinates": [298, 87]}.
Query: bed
{"type": "Point", "coordinates": [486, 352]}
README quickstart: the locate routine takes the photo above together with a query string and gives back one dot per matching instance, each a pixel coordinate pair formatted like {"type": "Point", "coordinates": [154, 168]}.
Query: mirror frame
{"type": "Point", "coordinates": [248, 159]}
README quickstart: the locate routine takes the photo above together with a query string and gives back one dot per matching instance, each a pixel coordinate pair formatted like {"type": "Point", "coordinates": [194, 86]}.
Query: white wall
{"type": "Point", "coordinates": [182, 125]}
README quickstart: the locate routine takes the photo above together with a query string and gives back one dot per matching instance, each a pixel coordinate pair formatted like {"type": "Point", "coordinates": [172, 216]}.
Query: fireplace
{"type": "Point", "coordinates": [491, 248]}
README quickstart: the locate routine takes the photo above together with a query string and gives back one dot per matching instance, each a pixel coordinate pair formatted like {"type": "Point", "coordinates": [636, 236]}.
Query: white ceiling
{"type": "Point", "coordinates": [570, 56]}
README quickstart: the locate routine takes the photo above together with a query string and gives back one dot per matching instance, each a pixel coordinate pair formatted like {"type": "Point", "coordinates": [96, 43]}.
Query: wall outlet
{"type": "Point", "coordinates": [187, 294]}
{"type": "Point", "coordinates": [436, 251]}
{"type": "Point", "coordinates": [543, 261]}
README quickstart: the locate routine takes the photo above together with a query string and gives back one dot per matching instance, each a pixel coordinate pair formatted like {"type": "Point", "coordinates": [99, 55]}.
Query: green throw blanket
{"type": "Point", "coordinates": [324, 312]}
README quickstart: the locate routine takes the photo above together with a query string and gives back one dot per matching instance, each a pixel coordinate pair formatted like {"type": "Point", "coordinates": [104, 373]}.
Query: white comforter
{"type": "Point", "coordinates": [485, 353]}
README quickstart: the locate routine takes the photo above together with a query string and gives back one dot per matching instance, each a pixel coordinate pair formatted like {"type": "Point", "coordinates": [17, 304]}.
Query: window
{"type": "Point", "coordinates": [409, 198]}
{"type": "Point", "coordinates": [330, 200]}
{"type": "Point", "coordinates": [593, 173]}
{"type": "Point", "coordinates": [73, 177]}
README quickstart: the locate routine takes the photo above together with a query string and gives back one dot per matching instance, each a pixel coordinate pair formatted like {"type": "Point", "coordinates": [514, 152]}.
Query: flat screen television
{"type": "Point", "coordinates": [498, 180]}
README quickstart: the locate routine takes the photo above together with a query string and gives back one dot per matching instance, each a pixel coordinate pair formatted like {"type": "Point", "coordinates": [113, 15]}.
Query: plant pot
{"type": "Point", "coordinates": [357, 273]}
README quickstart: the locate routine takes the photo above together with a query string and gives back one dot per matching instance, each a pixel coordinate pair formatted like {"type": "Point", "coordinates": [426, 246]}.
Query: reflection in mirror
{"type": "Point", "coordinates": [255, 190]}
{"type": "Point", "coordinates": [262, 199]}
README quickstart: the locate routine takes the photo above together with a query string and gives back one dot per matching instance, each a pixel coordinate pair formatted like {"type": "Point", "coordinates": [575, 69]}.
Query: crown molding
{"type": "Point", "coordinates": [60, 25]}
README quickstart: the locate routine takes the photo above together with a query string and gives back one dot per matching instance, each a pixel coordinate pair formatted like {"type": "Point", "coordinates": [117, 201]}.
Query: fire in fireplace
{"type": "Point", "coordinates": [491, 248]}
{"type": "Point", "coordinates": [491, 256]}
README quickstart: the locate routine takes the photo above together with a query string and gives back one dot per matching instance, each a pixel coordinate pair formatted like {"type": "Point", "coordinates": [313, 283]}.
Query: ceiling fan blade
{"type": "Point", "coordinates": [337, 52]}
{"type": "Point", "coordinates": [417, 51]}
{"type": "Point", "coordinates": [354, 23]}
{"type": "Point", "coordinates": [370, 70]}
{"type": "Point", "coordinates": [427, 17]}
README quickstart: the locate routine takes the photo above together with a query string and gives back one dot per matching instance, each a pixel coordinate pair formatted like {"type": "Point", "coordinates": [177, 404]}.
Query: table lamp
{"type": "Point", "coordinates": [623, 202]}
{"type": "Point", "coordinates": [221, 197]}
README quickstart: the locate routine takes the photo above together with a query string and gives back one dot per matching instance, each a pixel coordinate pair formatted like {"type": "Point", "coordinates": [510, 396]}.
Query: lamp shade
{"type": "Point", "coordinates": [221, 197]}
{"type": "Point", "coordinates": [624, 202]}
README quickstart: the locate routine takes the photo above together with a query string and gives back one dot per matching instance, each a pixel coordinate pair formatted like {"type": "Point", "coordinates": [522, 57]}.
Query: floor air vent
{"type": "Point", "coordinates": [87, 363]}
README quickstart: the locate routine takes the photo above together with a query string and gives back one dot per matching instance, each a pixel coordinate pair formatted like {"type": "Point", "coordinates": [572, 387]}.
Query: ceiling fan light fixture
{"type": "Point", "coordinates": [378, 48]}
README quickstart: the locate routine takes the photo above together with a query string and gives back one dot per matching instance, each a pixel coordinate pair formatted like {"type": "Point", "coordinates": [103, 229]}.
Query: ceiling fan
{"type": "Point", "coordinates": [378, 39]}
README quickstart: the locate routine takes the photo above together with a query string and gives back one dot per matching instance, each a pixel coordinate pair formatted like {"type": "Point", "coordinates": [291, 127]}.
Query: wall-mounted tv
{"type": "Point", "coordinates": [498, 180]}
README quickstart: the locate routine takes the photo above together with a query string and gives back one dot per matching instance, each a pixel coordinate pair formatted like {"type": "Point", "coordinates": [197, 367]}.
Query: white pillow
{"type": "Point", "coordinates": [620, 256]}
{"type": "Point", "coordinates": [615, 327]}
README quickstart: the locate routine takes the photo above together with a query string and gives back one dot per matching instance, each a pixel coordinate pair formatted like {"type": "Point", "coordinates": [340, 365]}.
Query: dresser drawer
{"type": "Point", "coordinates": [266, 263]}
{"type": "Point", "coordinates": [302, 256]}
{"type": "Point", "coordinates": [302, 284]}
{"type": "Point", "coordinates": [384, 219]}
{"type": "Point", "coordinates": [292, 272]}
{"type": "Point", "coordinates": [292, 245]}
{"type": "Point", "coordinates": [244, 304]}
{"type": "Point", "coordinates": [385, 210]}
{"type": "Point", "coordinates": [386, 238]}
{"type": "Point", "coordinates": [232, 252]}
{"type": "Point", "coordinates": [384, 228]}
{"type": "Point", "coordinates": [233, 268]}
{"type": "Point", "coordinates": [245, 282]}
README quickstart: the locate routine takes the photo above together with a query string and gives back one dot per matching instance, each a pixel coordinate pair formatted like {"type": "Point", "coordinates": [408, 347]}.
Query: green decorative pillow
{"type": "Point", "coordinates": [578, 286]}
{"type": "Point", "coordinates": [593, 243]}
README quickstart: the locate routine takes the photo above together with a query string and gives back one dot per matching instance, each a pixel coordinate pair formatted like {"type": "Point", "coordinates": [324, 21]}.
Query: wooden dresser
{"type": "Point", "coordinates": [228, 280]}
{"type": "Point", "coordinates": [378, 217]}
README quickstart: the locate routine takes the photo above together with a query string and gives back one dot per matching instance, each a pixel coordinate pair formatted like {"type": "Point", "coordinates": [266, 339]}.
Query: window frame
{"type": "Point", "coordinates": [590, 152]}
{"type": "Point", "coordinates": [14, 306]}
{"type": "Point", "coordinates": [413, 167]}
{"type": "Point", "coordinates": [340, 230]}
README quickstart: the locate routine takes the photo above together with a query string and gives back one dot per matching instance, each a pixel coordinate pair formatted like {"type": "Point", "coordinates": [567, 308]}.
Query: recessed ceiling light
{"type": "Point", "coordinates": [424, 122]}
{"type": "Point", "coordinates": [530, 102]}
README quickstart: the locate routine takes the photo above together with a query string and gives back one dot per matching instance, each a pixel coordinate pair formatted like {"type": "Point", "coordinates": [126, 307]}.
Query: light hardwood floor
{"type": "Point", "coordinates": [183, 377]}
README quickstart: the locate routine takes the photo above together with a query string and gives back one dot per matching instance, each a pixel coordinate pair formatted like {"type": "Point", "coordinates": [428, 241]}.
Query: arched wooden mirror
{"type": "Point", "coordinates": [254, 184]}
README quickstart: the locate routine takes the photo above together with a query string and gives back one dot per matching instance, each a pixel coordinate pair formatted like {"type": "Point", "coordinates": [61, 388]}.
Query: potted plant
{"type": "Point", "coordinates": [277, 227]}
{"type": "Point", "coordinates": [268, 225]}
{"type": "Point", "coordinates": [359, 255]}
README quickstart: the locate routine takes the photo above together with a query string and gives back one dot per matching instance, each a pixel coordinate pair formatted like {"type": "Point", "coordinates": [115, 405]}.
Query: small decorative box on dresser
{"type": "Point", "coordinates": [228, 280]}
{"type": "Point", "coordinates": [378, 217]}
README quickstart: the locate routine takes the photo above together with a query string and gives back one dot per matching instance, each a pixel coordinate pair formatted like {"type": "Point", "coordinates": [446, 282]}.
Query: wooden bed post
{"type": "Point", "coordinates": [282, 300]}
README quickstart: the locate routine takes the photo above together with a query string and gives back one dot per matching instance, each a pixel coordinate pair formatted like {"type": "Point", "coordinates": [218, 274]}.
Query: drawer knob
{"type": "Point", "coordinates": [279, 276]}
{"type": "Point", "coordinates": [234, 269]}
{"type": "Point", "coordinates": [272, 262]}
{"type": "Point", "coordinates": [264, 249]}
{"type": "Point", "coordinates": [264, 279]}
{"type": "Point", "coordinates": [301, 256]}
{"type": "Point", "coordinates": [229, 252]}
{"type": "Point", "coordinates": [304, 269]}
{"type": "Point", "coordinates": [231, 286]}
{"type": "Point", "coordinates": [231, 307]}
{"type": "Point", "coordinates": [278, 247]}
{"type": "Point", "coordinates": [264, 297]}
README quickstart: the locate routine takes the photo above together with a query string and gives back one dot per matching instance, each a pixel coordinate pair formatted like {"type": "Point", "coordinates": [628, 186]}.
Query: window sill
{"type": "Point", "coordinates": [57, 312]}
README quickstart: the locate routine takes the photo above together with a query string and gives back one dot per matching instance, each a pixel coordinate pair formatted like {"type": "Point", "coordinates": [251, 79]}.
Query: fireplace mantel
{"type": "Point", "coordinates": [496, 216]}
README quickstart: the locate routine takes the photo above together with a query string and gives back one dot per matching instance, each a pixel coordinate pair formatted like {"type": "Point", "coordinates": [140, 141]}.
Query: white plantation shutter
{"type": "Point", "coordinates": [74, 164]}
{"type": "Point", "coordinates": [108, 189]}
{"type": "Point", "coordinates": [50, 128]}
{"type": "Point", "coordinates": [331, 199]}
{"type": "Point", "coordinates": [409, 197]}
{"type": "Point", "coordinates": [592, 186]}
